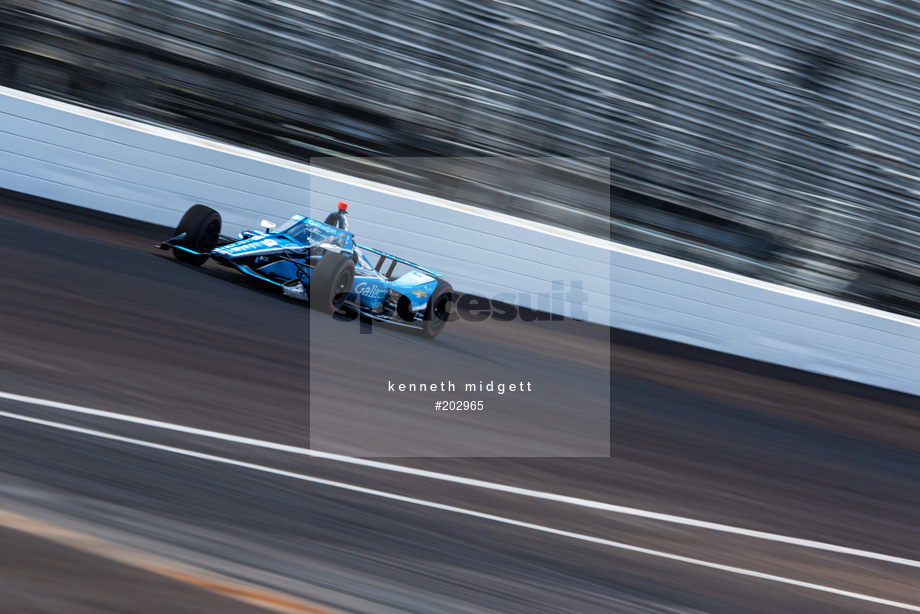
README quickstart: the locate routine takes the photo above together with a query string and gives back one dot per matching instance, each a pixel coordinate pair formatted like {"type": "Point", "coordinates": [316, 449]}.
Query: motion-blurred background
{"type": "Point", "coordinates": [772, 138]}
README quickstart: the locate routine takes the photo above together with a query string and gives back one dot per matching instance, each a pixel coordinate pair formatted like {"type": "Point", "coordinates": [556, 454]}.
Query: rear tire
{"type": "Point", "coordinates": [437, 311]}
{"type": "Point", "coordinates": [331, 282]}
{"type": "Point", "coordinates": [201, 226]}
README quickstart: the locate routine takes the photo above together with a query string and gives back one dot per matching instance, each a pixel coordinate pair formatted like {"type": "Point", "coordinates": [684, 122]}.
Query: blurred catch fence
{"type": "Point", "coordinates": [773, 138]}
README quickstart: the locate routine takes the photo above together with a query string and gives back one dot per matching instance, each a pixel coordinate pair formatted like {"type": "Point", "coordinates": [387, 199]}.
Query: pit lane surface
{"type": "Point", "coordinates": [93, 316]}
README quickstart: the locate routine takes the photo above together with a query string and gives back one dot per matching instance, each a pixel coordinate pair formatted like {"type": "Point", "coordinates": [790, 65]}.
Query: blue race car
{"type": "Point", "coordinates": [320, 262]}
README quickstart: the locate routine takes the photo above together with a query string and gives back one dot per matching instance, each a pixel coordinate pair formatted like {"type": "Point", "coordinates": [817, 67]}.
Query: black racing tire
{"type": "Point", "coordinates": [201, 226]}
{"type": "Point", "coordinates": [437, 312]}
{"type": "Point", "coordinates": [331, 282]}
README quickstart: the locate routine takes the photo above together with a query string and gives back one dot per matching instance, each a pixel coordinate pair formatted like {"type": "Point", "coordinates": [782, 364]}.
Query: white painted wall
{"type": "Point", "coordinates": [85, 158]}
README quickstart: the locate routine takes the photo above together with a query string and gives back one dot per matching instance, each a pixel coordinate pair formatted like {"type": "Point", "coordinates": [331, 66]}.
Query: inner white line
{"type": "Point", "coordinates": [468, 512]}
{"type": "Point", "coordinates": [444, 477]}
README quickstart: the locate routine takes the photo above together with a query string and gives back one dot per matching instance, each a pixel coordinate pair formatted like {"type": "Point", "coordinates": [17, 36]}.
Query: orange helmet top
{"type": "Point", "coordinates": [342, 206]}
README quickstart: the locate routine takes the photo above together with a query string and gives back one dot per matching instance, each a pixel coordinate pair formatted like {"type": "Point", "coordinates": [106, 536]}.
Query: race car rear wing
{"type": "Point", "coordinates": [394, 260]}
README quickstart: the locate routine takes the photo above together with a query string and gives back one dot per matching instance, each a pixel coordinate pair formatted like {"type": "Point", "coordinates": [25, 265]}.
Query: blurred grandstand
{"type": "Point", "coordinates": [774, 138]}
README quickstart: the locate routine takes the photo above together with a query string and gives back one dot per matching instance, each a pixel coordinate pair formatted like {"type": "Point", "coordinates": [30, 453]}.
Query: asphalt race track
{"type": "Point", "coordinates": [93, 317]}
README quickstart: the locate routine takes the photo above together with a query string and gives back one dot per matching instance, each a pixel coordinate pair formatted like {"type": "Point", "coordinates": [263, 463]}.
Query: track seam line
{"type": "Point", "coordinates": [472, 513]}
{"type": "Point", "coordinates": [444, 477]}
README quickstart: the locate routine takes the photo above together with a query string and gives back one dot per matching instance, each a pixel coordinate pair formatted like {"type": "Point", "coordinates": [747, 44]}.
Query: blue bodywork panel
{"type": "Point", "coordinates": [369, 291]}
{"type": "Point", "coordinates": [254, 246]}
{"type": "Point", "coordinates": [416, 286]}
{"type": "Point", "coordinates": [284, 269]}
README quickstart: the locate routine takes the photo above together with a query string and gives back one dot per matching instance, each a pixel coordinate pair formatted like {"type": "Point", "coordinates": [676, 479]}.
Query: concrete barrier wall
{"type": "Point", "coordinates": [90, 159]}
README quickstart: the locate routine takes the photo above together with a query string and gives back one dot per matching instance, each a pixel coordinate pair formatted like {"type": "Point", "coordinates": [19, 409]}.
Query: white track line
{"type": "Point", "coordinates": [468, 512]}
{"type": "Point", "coordinates": [444, 477]}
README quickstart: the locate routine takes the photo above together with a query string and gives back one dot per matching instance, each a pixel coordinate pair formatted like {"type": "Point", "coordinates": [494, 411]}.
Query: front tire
{"type": "Point", "coordinates": [201, 226]}
{"type": "Point", "coordinates": [331, 282]}
{"type": "Point", "coordinates": [437, 311]}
